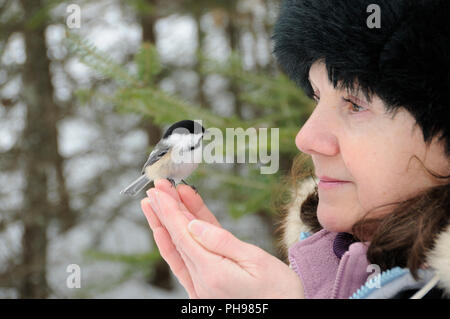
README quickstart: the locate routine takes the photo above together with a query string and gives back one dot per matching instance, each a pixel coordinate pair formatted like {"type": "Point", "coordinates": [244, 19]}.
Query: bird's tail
{"type": "Point", "coordinates": [136, 186]}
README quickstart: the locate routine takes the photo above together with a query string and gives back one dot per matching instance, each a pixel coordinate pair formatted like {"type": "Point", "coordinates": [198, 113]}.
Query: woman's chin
{"type": "Point", "coordinates": [334, 221]}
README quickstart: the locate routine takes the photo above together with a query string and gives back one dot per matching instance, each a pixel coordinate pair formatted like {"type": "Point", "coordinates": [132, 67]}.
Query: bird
{"type": "Point", "coordinates": [174, 157]}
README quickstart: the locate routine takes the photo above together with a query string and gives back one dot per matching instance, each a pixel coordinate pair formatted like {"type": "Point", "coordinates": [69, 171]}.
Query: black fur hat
{"type": "Point", "coordinates": [406, 62]}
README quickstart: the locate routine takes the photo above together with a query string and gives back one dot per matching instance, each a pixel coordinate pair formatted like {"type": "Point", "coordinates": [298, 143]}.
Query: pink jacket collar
{"type": "Point", "coordinates": [322, 273]}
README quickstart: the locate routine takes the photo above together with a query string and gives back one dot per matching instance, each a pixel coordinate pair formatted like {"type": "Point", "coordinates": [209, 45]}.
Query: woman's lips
{"type": "Point", "coordinates": [326, 182]}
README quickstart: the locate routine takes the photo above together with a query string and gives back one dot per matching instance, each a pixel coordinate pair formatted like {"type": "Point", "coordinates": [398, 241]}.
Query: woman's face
{"type": "Point", "coordinates": [364, 146]}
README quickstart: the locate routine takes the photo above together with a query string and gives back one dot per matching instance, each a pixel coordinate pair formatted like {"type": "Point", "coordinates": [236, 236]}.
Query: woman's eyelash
{"type": "Point", "coordinates": [354, 105]}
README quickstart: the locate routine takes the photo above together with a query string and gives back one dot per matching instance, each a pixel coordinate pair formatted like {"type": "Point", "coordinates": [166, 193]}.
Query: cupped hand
{"type": "Point", "coordinates": [208, 260]}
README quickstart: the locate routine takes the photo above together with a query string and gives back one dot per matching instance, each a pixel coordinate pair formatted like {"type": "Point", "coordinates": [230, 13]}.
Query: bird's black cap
{"type": "Point", "coordinates": [185, 127]}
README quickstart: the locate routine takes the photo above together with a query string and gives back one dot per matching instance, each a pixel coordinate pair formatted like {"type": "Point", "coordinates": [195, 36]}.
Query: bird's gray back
{"type": "Point", "coordinates": [159, 151]}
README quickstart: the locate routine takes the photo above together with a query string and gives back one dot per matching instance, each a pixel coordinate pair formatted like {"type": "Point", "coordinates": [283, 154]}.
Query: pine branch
{"type": "Point", "coordinates": [99, 61]}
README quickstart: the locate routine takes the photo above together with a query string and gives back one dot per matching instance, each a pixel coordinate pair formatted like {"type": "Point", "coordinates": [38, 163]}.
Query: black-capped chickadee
{"type": "Point", "coordinates": [174, 157]}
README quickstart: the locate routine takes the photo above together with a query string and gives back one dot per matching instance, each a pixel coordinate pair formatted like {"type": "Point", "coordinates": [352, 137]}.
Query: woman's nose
{"type": "Point", "coordinates": [316, 136]}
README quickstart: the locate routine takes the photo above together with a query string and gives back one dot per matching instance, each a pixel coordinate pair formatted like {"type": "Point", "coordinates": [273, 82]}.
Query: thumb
{"type": "Point", "coordinates": [221, 242]}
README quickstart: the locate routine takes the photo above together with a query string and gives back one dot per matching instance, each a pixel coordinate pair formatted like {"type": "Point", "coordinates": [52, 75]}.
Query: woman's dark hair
{"type": "Point", "coordinates": [406, 61]}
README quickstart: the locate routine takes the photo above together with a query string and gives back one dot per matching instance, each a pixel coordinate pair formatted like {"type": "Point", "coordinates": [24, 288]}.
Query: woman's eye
{"type": "Point", "coordinates": [355, 108]}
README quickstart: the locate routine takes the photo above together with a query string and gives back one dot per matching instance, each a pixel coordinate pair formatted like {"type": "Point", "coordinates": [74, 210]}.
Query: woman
{"type": "Point", "coordinates": [380, 144]}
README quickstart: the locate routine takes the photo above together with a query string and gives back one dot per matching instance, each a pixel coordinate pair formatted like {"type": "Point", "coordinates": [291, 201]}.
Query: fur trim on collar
{"type": "Point", "coordinates": [439, 259]}
{"type": "Point", "coordinates": [291, 226]}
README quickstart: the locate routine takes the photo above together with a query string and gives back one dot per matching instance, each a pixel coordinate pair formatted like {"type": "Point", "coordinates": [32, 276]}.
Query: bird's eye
{"type": "Point", "coordinates": [192, 148]}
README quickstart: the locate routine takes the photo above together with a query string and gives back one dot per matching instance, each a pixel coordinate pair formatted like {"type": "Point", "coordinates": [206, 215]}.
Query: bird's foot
{"type": "Point", "coordinates": [171, 181]}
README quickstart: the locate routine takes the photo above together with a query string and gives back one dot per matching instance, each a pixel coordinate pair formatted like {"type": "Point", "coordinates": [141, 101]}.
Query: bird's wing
{"type": "Point", "coordinates": [159, 151]}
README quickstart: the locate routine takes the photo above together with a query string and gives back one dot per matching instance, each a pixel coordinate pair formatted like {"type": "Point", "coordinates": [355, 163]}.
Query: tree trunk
{"type": "Point", "coordinates": [201, 97]}
{"type": "Point", "coordinates": [39, 147]}
{"type": "Point", "coordinates": [161, 273]}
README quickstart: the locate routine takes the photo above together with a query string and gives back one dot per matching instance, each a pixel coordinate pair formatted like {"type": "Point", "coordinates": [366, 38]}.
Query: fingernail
{"type": "Point", "coordinates": [153, 202]}
{"type": "Point", "coordinates": [196, 227]}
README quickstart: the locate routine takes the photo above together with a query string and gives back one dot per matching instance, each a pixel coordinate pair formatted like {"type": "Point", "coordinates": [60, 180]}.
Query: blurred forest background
{"type": "Point", "coordinates": [81, 108]}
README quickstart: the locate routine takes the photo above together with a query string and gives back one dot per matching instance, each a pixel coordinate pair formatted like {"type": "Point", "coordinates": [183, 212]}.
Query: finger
{"type": "Point", "coordinates": [167, 249]}
{"type": "Point", "coordinates": [197, 275]}
{"type": "Point", "coordinates": [166, 186]}
{"type": "Point", "coordinates": [170, 215]}
{"type": "Point", "coordinates": [180, 257]}
{"type": "Point", "coordinates": [176, 224]}
{"type": "Point", "coordinates": [194, 203]}
{"type": "Point", "coordinates": [152, 219]}
{"type": "Point", "coordinates": [221, 242]}
{"type": "Point", "coordinates": [173, 258]}
{"type": "Point", "coordinates": [190, 265]}
{"type": "Point", "coordinates": [162, 238]}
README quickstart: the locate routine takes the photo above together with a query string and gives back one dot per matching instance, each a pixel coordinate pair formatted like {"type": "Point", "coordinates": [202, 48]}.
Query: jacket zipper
{"type": "Point", "coordinates": [383, 278]}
